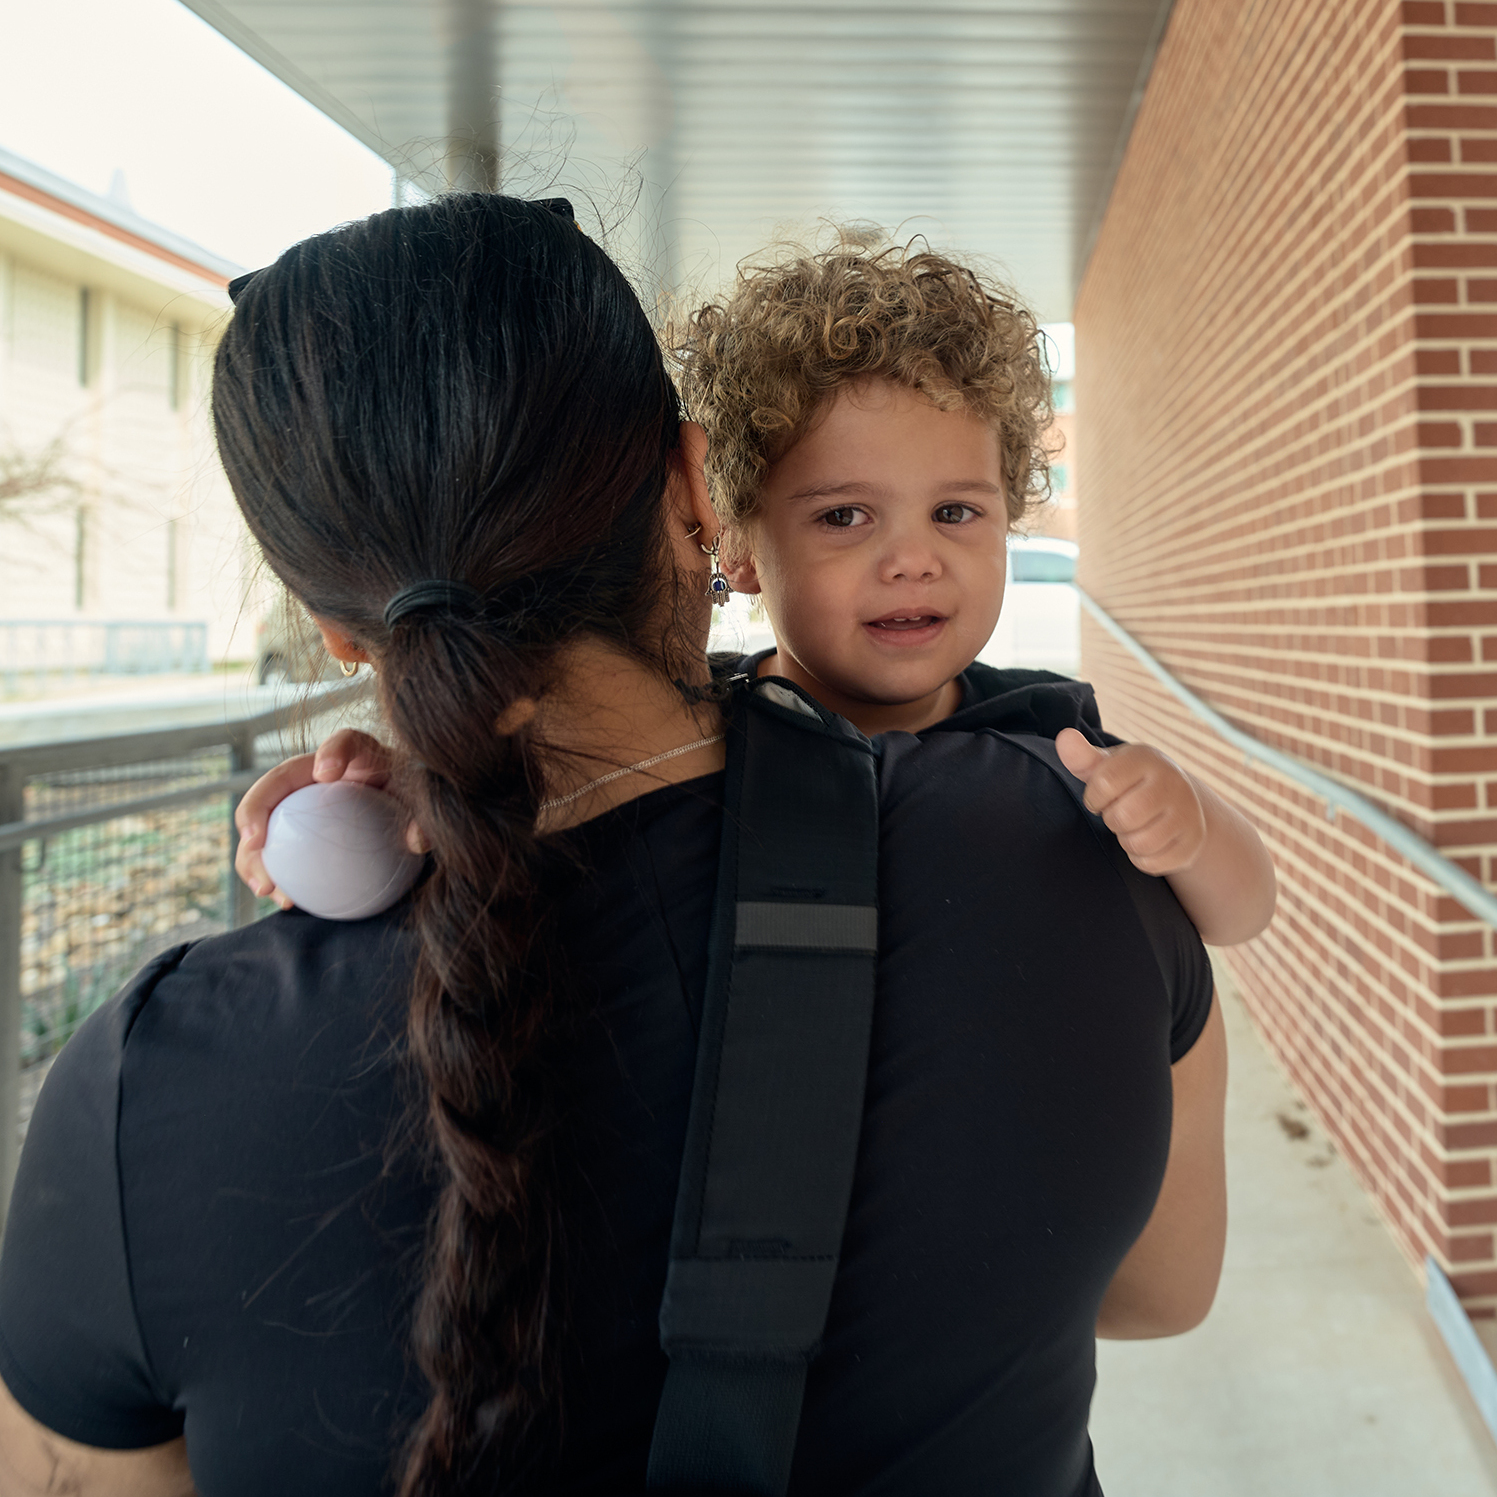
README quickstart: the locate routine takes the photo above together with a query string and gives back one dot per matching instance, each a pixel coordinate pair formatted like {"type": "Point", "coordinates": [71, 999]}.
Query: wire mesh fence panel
{"type": "Point", "coordinates": [99, 901]}
{"type": "Point", "coordinates": [86, 789]}
{"type": "Point", "coordinates": [149, 867]}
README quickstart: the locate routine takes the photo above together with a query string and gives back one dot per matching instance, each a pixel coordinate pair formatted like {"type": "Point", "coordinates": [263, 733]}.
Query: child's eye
{"type": "Point", "coordinates": [954, 514]}
{"type": "Point", "coordinates": [844, 517]}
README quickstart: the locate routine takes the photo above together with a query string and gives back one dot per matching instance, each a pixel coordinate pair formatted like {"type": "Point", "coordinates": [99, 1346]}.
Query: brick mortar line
{"type": "Point", "coordinates": [1312, 358]}
{"type": "Point", "coordinates": [1291, 406]}
{"type": "Point", "coordinates": [1232, 486]}
{"type": "Point", "coordinates": [1309, 292]}
{"type": "Point", "coordinates": [1373, 696]}
{"type": "Point", "coordinates": [1256, 638]}
{"type": "Point", "coordinates": [1362, 293]}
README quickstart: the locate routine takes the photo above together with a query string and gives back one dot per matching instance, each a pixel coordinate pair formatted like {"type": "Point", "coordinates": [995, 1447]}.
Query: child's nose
{"type": "Point", "coordinates": [911, 562]}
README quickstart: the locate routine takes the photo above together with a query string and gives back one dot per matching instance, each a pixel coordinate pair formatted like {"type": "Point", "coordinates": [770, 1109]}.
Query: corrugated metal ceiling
{"type": "Point", "coordinates": [994, 127]}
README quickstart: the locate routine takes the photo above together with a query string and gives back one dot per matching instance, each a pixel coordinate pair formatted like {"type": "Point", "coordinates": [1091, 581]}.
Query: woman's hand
{"type": "Point", "coordinates": [347, 755]}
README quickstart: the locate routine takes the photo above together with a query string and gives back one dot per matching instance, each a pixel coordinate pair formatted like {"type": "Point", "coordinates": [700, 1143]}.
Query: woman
{"type": "Point", "coordinates": [310, 1204]}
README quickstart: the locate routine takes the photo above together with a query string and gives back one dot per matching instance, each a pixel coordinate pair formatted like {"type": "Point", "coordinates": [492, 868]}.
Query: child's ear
{"type": "Point", "coordinates": [738, 561]}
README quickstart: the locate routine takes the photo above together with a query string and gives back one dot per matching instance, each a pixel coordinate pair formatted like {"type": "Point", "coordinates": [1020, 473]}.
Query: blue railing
{"type": "Point", "coordinates": [36, 653]}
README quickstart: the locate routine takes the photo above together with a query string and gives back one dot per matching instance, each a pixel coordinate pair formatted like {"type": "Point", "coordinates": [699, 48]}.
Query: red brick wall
{"type": "Point", "coordinates": [1287, 361]}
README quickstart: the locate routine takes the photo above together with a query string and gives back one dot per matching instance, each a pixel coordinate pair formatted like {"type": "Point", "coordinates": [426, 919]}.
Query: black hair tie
{"type": "Point", "coordinates": [455, 597]}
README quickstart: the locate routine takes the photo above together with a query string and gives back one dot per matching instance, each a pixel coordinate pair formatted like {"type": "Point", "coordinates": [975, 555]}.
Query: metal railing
{"type": "Point", "coordinates": [1453, 879]}
{"type": "Point", "coordinates": [37, 653]}
{"type": "Point", "coordinates": [112, 850]}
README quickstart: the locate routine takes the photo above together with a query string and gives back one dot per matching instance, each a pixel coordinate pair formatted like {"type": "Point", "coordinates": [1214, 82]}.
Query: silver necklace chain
{"type": "Point", "coordinates": [618, 774]}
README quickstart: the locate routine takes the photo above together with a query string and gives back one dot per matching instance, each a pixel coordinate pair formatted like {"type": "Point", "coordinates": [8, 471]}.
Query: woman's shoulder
{"type": "Point", "coordinates": [968, 793]}
{"type": "Point", "coordinates": [236, 1090]}
{"type": "Point", "coordinates": [285, 991]}
{"type": "Point", "coordinates": [290, 955]}
{"type": "Point", "coordinates": [989, 817]}
{"type": "Point", "coordinates": [281, 991]}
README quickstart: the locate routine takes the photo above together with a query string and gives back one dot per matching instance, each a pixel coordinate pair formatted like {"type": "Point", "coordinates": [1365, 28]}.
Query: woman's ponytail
{"type": "Point", "coordinates": [465, 394]}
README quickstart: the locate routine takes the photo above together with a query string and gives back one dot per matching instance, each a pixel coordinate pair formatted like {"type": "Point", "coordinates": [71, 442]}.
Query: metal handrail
{"type": "Point", "coordinates": [15, 834]}
{"type": "Point", "coordinates": [160, 743]}
{"type": "Point", "coordinates": [1453, 879]}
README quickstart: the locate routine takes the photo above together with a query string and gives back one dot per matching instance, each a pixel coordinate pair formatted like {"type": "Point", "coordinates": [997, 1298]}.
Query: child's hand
{"type": "Point", "coordinates": [1146, 800]}
{"type": "Point", "coordinates": [347, 755]}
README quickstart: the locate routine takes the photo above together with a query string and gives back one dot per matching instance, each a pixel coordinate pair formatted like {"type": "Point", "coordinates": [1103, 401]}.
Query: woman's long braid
{"type": "Point", "coordinates": [481, 1012]}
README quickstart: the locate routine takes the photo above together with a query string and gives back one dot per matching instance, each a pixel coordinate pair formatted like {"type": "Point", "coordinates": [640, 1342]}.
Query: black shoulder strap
{"type": "Point", "coordinates": [777, 1105]}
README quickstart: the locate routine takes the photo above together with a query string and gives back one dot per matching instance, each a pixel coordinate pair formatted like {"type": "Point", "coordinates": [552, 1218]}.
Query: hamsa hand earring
{"type": "Point", "coordinates": [717, 585]}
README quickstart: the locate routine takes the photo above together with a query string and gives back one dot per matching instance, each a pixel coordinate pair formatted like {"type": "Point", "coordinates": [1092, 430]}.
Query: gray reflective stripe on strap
{"type": "Point", "coordinates": [807, 927]}
{"type": "Point", "coordinates": [722, 1303]}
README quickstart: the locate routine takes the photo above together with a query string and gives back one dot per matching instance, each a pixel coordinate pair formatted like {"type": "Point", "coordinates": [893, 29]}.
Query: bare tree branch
{"type": "Point", "coordinates": [36, 480]}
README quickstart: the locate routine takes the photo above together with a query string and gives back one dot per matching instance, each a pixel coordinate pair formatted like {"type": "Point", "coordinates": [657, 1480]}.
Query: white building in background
{"type": "Point", "coordinates": [107, 324]}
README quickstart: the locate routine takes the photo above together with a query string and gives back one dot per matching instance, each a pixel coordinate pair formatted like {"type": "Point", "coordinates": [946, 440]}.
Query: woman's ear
{"type": "Point", "coordinates": [692, 477]}
{"type": "Point", "coordinates": [339, 645]}
{"type": "Point", "coordinates": [693, 521]}
{"type": "Point", "coordinates": [696, 522]}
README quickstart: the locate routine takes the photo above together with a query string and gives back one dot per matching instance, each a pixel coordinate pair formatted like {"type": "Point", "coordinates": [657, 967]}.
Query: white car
{"type": "Point", "coordinates": [739, 627]}
{"type": "Point", "coordinates": [1040, 626]}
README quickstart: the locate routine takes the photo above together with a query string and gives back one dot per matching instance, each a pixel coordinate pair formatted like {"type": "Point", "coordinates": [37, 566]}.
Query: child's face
{"type": "Point", "coordinates": [879, 547]}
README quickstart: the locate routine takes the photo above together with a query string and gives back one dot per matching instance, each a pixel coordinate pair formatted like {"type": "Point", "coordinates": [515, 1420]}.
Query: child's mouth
{"type": "Point", "coordinates": [906, 628]}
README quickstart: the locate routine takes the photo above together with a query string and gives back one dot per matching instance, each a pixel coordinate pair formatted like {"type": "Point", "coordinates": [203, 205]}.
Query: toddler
{"type": "Point", "coordinates": [875, 422]}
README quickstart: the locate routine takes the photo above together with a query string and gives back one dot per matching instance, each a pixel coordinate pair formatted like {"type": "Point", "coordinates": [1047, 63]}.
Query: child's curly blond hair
{"type": "Point", "coordinates": [755, 369]}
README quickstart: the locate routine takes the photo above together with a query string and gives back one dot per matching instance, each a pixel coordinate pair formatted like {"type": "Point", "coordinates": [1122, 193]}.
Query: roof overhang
{"type": "Point", "coordinates": [702, 130]}
{"type": "Point", "coordinates": [105, 245]}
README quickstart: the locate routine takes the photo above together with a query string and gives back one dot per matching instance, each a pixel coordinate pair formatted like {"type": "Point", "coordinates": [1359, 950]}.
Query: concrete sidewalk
{"type": "Point", "coordinates": [1319, 1373]}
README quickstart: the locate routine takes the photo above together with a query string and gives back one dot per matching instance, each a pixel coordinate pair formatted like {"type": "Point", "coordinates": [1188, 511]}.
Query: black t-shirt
{"type": "Point", "coordinates": [218, 1221]}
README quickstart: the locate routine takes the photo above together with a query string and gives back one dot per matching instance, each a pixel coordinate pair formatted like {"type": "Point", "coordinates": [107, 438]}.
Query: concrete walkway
{"type": "Point", "coordinates": [1319, 1373]}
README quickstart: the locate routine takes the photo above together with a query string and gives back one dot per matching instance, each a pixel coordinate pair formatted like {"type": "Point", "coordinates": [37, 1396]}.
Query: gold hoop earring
{"type": "Point", "coordinates": [349, 667]}
{"type": "Point", "coordinates": [717, 585]}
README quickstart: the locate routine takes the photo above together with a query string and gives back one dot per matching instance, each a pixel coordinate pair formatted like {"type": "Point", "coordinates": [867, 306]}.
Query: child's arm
{"type": "Point", "coordinates": [1170, 824]}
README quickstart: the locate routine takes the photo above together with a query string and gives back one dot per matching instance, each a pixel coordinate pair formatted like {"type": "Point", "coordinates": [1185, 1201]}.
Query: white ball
{"type": "Point", "coordinates": [339, 850]}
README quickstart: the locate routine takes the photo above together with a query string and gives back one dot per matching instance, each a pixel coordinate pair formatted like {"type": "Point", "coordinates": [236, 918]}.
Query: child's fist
{"type": "Point", "coordinates": [1147, 801]}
